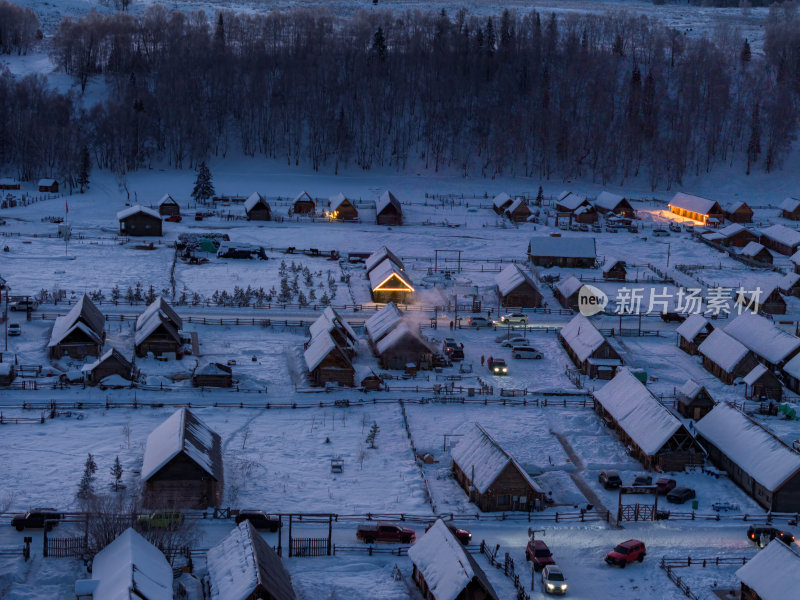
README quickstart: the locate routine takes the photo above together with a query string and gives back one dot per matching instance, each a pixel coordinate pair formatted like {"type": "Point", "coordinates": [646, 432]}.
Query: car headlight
{"type": "Point", "coordinates": [505, 370]}
{"type": "Point", "coordinates": [563, 586]}
{"type": "Point", "coordinates": [496, 370]}
{"type": "Point", "coordinates": [550, 586]}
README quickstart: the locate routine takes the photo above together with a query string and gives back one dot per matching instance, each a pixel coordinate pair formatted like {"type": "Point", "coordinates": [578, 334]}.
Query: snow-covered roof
{"type": "Point", "coordinates": [611, 263]}
{"type": "Point", "coordinates": [773, 573]}
{"type": "Point", "coordinates": [83, 315]}
{"type": "Point", "coordinates": [608, 201]}
{"type": "Point", "coordinates": [755, 374]}
{"type": "Point", "coordinates": [580, 335]}
{"type": "Point", "coordinates": [61, 330]}
{"type": "Point", "coordinates": [643, 418]}
{"type": "Point", "coordinates": [501, 200]}
{"type": "Point", "coordinates": [212, 368]}
{"type": "Point", "coordinates": [383, 321]}
{"type": "Point", "coordinates": [511, 278]}
{"type": "Point", "coordinates": [133, 210]}
{"type": "Point", "coordinates": [160, 305]}
{"type": "Point", "coordinates": [732, 207]}
{"type": "Point", "coordinates": [183, 432]}
{"type": "Point", "coordinates": [782, 235]}
{"type": "Point", "coordinates": [8, 181]}
{"type": "Point", "coordinates": [690, 389]}
{"type": "Point", "coordinates": [566, 247]}
{"type": "Point", "coordinates": [713, 236]}
{"type": "Point", "coordinates": [723, 350]}
{"type": "Point", "coordinates": [763, 337]}
{"type": "Point", "coordinates": [789, 204]}
{"type": "Point", "coordinates": [6, 367]}
{"type": "Point", "coordinates": [106, 356]}
{"type": "Point", "coordinates": [692, 203]}
{"type": "Point", "coordinates": [318, 348]}
{"type": "Point", "coordinates": [692, 326]}
{"type": "Point", "coordinates": [516, 204]}
{"type": "Point", "coordinates": [46, 182]}
{"type": "Point", "coordinates": [571, 201]}
{"type": "Point", "coordinates": [155, 320]}
{"type": "Point", "coordinates": [754, 449]}
{"type": "Point", "coordinates": [482, 459]}
{"type": "Point", "coordinates": [568, 286]}
{"type": "Point", "coordinates": [395, 336]}
{"type": "Point", "coordinates": [242, 562]}
{"type": "Point", "coordinates": [385, 200]}
{"type": "Point", "coordinates": [167, 199]}
{"type": "Point", "coordinates": [337, 200]}
{"type": "Point", "coordinates": [304, 197]}
{"type": "Point", "coordinates": [253, 200]}
{"type": "Point", "coordinates": [131, 568]}
{"type": "Point", "coordinates": [444, 563]}
{"type": "Point", "coordinates": [751, 249]}
{"type": "Point", "coordinates": [788, 281]}
{"type": "Point", "coordinates": [381, 254]}
{"type": "Point", "coordinates": [795, 258]}
{"type": "Point", "coordinates": [385, 271]}
{"type": "Point", "coordinates": [731, 229]}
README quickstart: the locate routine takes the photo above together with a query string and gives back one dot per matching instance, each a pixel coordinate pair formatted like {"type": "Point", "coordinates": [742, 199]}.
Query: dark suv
{"type": "Point", "coordinates": [756, 532]}
{"type": "Point", "coordinates": [35, 519]}
{"type": "Point", "coordinates": [452, 349]}
{"type": "Point", "coordinates": [609, 479]}
{"type": "Point", "coordinates": [538, 552]}
{"type": "Point", "coordinates": [680, 494]}
{"type": "Point", "coordinates": [259, 519]}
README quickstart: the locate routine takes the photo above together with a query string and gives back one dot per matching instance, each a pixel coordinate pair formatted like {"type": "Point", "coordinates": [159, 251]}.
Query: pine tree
{"type": "Point", "coordinates": [116, 473]}
{"type": "Point", "coordinates": [618, 47]}
{"type": "Point", "coordinates": [203, 185]}
{"type": "Point", "coordinates": [491, 40]}
{"type": "Point", "coordinates": [540, 196]}
{"type": "Point", "coordinates": [373, 434]}
{"type": "Point", "coordinates": [325, 300]}
{"type": "Point", "coordinates": [86, 167]}
{"type": "Point", "coordinates": [219, 33]}
{"type": "Point", "coordinates": [86, 485]}
{"type": "Point", "coordinates": [746, 53]}
{"type": "Point", "coordinates": [754, 144]}
{"type": "Point", "coordinates": [379, 44]}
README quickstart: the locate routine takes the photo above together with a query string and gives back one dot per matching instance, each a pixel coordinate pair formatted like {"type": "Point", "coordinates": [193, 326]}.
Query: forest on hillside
{"type": "Point", "coordinates": [607, 97]}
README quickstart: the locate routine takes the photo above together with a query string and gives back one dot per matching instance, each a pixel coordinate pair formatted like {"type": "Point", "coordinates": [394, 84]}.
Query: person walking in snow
{"type": "Point", "coordinates": [482, 358]}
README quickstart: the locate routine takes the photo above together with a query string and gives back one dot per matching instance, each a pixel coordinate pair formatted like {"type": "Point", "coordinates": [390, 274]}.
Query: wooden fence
{"type": "Point", "coordinates": [309, 547]}
{"type": "Point", "coordinates": [72, 547]}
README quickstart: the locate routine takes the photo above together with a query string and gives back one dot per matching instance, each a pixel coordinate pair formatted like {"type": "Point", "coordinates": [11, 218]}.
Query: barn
{"type": "Point", "coordinates": [651, 432]}
{"type": "Point", "coordinates": [589, 351]}
{"type": "Point", "coordinates": [781, 239]}
{"type": "Point", "coordinates": [49, 186]}
{"type": "Point", "coordinates": [182, 466]}
{"type": "Point", "coordinates": [772, 574]}
{"type": "Point", "coordinates": [614, 204]}
{"type": "Point", "coordinates": [111, 363]}
{"type": "Point", "coordinates": [327, 362]}
{"type": "Point", "coordinates": [515, 287]}
{"type": "Point", "coordinates": [404, 348]}
{"type": "Point", "coordinates": [7, 183]}
{"type": "Point", "coordinates": [566, 292]}
{"type": "Point", "coordinates": [79, 333]}
{"type": "Point", "coordinates": [139, 221]}
{"type": "Point", "coordinates": [389, 283]}
{"type": "Point", "coordinates": [762, 384]}
{"type": "Point", "coordinates": [304, 204]}
{"type": "Point", "coordinates": [696, 208]}
{"type": "Point", "coordinates": [168, 207]}
{"type": "Point", "coordinates": [518, 211]}
{"type": "Point", "coordinates": [158, 331]}
{"type": "Point", "coordinates": [772, 345]}
{"type": "Point", "coordinates": [491, 477]}
{"type": "Point", "coordinates": [556, 251]}
{"type": "Point", "coordinates": [388, 210]}
{"type": "Point", "coordinates": [755, 459]}
{"type": "Point", "coordinates": [767, 300]}
{"type": "Point", "coordinates": [790, 209]}
{"type": "Point", "coordinates": [614, 269]}
{"type": "Point", "coordinates": [694, 401]}
{"type": "Point", "coordinates": [739, 212]}
{"type": "Point", "coordinates": [501, 202]}
{"type": "Point", "coordinates": [243, 566]}
{"type": "Point", "coordinates": [212, 374]}
{"type": "Point", "coordinates": [257, 208]}
{"type": "Point", "coordinates": [577, 208]}
{"type": "Point", "coordinates": [757, 252]}
{"type": "Point", "coordinates": [340, 330]}
{"type": "Point", "coordinates": [444, 570]}
{"type": "Point", "coordinates": [725, 357]}
{"type": "Point", "coordinates": [342, 209]}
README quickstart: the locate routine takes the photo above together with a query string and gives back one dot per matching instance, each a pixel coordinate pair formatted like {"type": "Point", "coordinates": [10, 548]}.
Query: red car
{"type": "Point", "coordinates": [198, 216]}
{"type": "Point", "coordinates": [665, 486]}
{"type": "Point", "coordinates": [462, 535]}
{"type": "Point", "coordinates": [174, 219]}
{"type": "Point", "coordinates": [385, 532]}
{"type": "Point", "coordinates": [538, 552]}
{"type": "Point", "coordinates": [627, 552]}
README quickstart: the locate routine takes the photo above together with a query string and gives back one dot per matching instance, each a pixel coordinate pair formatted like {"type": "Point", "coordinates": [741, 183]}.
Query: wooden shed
{"type": "Point", "coordinates": [49, 186]}
{"type": "Point", "coordinates": [781, 239]}
{"type": "Point", "coordinates": [404, 346]}
{"type": "Point", "coordinates": [516, 288]}
{"type": "Point", "coordinates": [341, 208]}
{"type": "Point", "coordinates": [789, 284]}
{"type": "Point", "coordinates": [694, 401]}
{"type": "Point", "coordinates": [588, 350]}
{"type": "Point", "coordinates": [158, 331]}
{"type": "Point", "coordinates": [257, 208]}
{"type": "Point", "coordinates": [518, 211]}
{"type": "Point", "coordinates": [182, 466]}
{"type": "Point", "coordinates": [755, 459]}
{"type": "Point", "coordinates": [304, 204]}
{"type": "Point", "coordinates": [790, 209]}
{"type": "Point", "coordinates": [79, 333]}
{"type": "Point", "coordinates": [739, 212]}
{"type": "Point", "coordinates": [761, 384]}
{"type": "Point", "coordinates": [138, 221]}
{"type": "Point", "coordinates": [614, 269]}
{"type": "Point", "coordinates": [111, 363]}
{"type": "Point", "coordinates": [168, 207]}
{"type": "Point", "coordinates": [327, 362]}
{"type": "Point", "coordinates": [608, 204]}
{"type": "Point", "coordinates": [772, 574]}
{"type": "Point", "coordinates": [692, 332]}
{"type": "Point", "coordinates": [7, 183]}
{"type": "Point", "coordinates": [735, 234]}
{"type": "Point", "coordinates": [553, 250]}
{"type": "Point", "coordinates": [696, 208]}
{"type": "Point", "coordinates": [501, 202]}
{"type": "Point", "coordinates": [566, 292]}
{"type": "Point", "coordinates": [212, 374]}
{"type": "Point", "coordinates": [772, 345]}
{"type": "Point", "coordinates": [491, 477]}
{"type": "Point", "coordinates": [757, 252]}
{"type": "Point", "coordinates": [388, 283]}
{"type": "Point", "coordinates": [725, 357]}
{"type": "Point", "coordinates": [767, 300]}
{"type": "Point", "coordinates": [576, 208]}
{"type": "Point", "coordinates": [388, 210]}
{"type": "Point", "coordinates": [332, 323]}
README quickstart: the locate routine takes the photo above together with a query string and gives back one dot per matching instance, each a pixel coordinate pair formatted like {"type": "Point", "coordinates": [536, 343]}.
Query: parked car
{"type": "Point", "coordinates": [675, 227]}
{"type": "Point", "coordinates": [174, 219]}
{"type": "Point", "coordinates": [260, 520]}
{"type": "Point", "coordinates": [14, 329]}
{"type": "Point", "coordinates": [525, 352]}
{"type": "Point", "coordinates": [537, 552]}
{"type": "Point", "coordinates": [664, 485]}
{"type": "Point", "coordinates": [609, 479]}
{"type": "Point", "coordinates": [597, 229]}
{"type": "Point", "coordinates": [627, 552]}
{"type": "Point", "coordinates": [23, 305]}
{"type": "Point", "coordinates": [553, 580]}
{"type": "Point", "coordinates": [198, 216]}
{"type": "Point", "coordinates": [660, 232]}
{"type": "Point", "coordinates": [510, 342]}
{"type": "Point", "coordinates": [670, 317]}
{"type": "Point", "coordinates": [478, 322]}
{"type": "Point", "coordinates": [452, 349]}
{"type": "Point", "coordinates": [498, 366]}
{"type": "Point", "coordinates": [512, 318]}
{"type": "Point", "coordinates": [161, 519]}
{"type": "Point", "coordinates": [385, 532]}
{"type": "Point", "coordinates": [462, 535]}
{"type": "Point", "coordinates": [680, 494]}
{"type": "Point", "coordinates": [583, 227]}
{"type": "Point", "coordinates": [35, 519]}
{"type": "Point", "coordinates": [764, 534]}
{"type": "Point", "coordinates": [642, 480]}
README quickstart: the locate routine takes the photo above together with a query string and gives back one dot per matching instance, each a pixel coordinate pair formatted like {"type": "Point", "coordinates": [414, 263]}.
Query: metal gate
{"type": "Point", "coordinates": [308, 547]}
{"type": "Point", "coordinates": [637, 512]}
{"type": "Point", "coordinates": [74, 547]}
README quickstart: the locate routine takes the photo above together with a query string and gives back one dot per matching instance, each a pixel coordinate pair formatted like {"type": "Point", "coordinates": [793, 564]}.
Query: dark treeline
{"type": "Point", "coordinates": [608, 97]}
{"type": "Point", "coordinates": [19, 28]}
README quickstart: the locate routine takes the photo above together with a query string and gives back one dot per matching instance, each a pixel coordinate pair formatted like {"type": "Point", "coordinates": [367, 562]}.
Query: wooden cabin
{"type": "Point", "coordinates": [501, 202]}
{"type": "Point", "coordinates": [789, 284]}
{"type": "Point", "coordinates": [566, 292]}
{"type": "Point", "coordinates": [756, 252]}
{"type": "Point", "coordinates": [79, 333]}
{"type": "Point", "coordinates": [553, 250]}
{"type": "Point", "coordinates": [575, 208]}
{"type": "Point", "coordinates": [243, 566]}
{"type": "Point", "coordinates": [257, 208]}
{"type": "Point", "coordinates": [692, 332]}
{"type": "Point", "coordinates": [696, 208]}
{"type": "Point", "coordinates": [49, 186]}
{"type": "Point", "coordinates": [402, 347]}
{"type": "Point", "coordinates": [516, 288]}
{"type": "Point", "coordinates": [304, 204]}
{"type": "Point", "coordinates": [388, 283]}
{"type": "Point", "coordinates": [327, 362]}
{"type": "Point", "coordinates": [168, 207]}
{"type": "Point", "coordinates": [212, 374]}
{"type": "Point", "coordinates": [388, 210]}
{"type": "Point", "coordinates": [182, 466]}
{"type": "Point", "coordinates": [735, 234]}
{"type": "Point", "coordinates": [518, 211]}
{"type": "Point", "coordinates": [614, 204]}
{"type": "Point", "coordinates": [332, 323]}
{"type": "Point", "coordinates": [6, 183]}
{"type": "Point", "coordinates": [739, 212]}
{"type": "Point", "coordinates": [755, 459]}
{"type": "Point", "coordinates": [772, 574]}
{"type": "Point", "coordinates": [111, 363]}
{"type": "Point", "coordinates": [652, 434]}
{"type": "Point", "coordinates": [614, 269]}
{"type": "Point", "coordinates": [725, 357]}
{"type": "Point", "coordinates": [694, 401]}
{"type": "Point", "coordinates": [382, 322]}
{"type": "Point", "coordinates": [138, 221]}
{"type": "Point", "coordinates": [768, 300]}
{"type": "Point", "coordinates": [341, 208]}
{"type": "Point", "coordinates": [769, 343]}
{"type": "Point", "coordinates": [492, 478]}
{"type": "Point", "coordinates": [158, 331]}
{"type": "Point", "coordinates": [444, 570]}
{"type": "Point", "coordinates": [781, 239]}
{"type": "Point", "coordinates": [761, 384]}
{"type": "Point", "coordinates": [588, 350]}
{"type": "Point", "coordinates": [790, 209]}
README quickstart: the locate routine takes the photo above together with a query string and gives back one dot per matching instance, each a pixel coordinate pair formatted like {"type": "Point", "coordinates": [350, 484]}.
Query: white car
{"type": "Point", "coordinates": [525, 352]}
{"type": "Point", "coordinates": [14, 329]}
{"type": "Point", "coordinates": [553, 580]}
{"type": "Point", "coordinates": [512, 318]}
{"type": "Point", "coordinates": [513, 341]}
